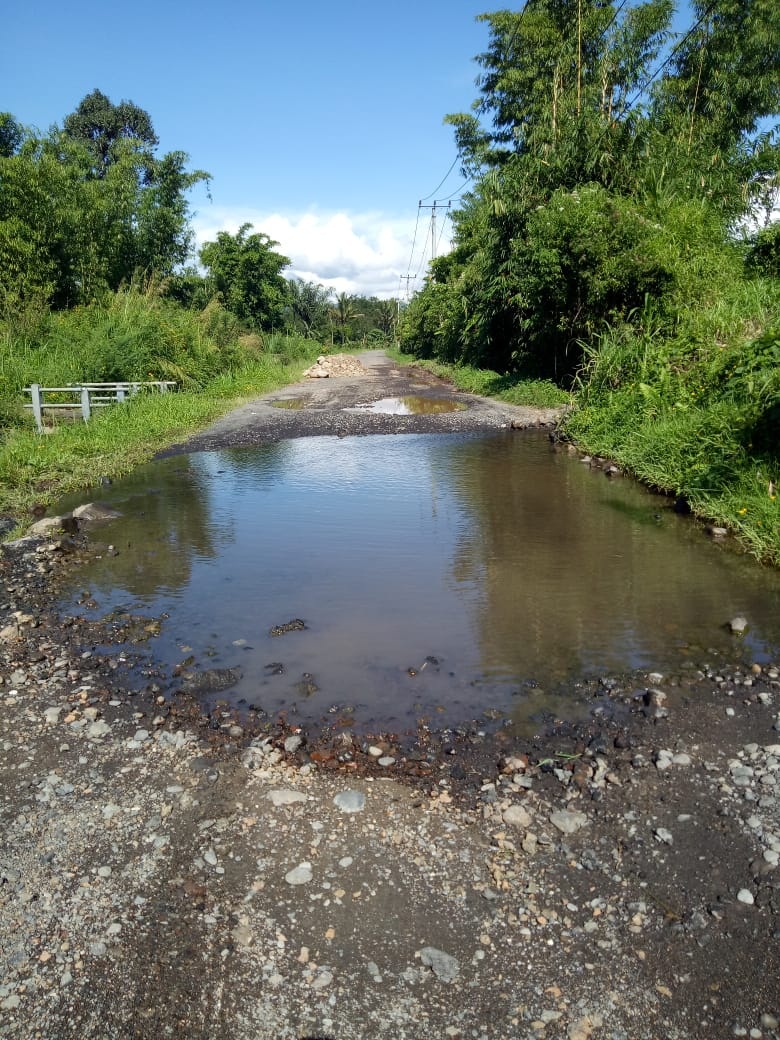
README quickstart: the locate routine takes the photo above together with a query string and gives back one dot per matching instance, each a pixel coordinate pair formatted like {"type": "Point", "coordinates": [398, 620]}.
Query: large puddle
{"type": "Point", "coordinates": [445, 577]}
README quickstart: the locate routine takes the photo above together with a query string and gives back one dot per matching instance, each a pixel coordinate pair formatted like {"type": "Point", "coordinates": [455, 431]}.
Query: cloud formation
{"type": "Point", "coordinates": [366, 254]}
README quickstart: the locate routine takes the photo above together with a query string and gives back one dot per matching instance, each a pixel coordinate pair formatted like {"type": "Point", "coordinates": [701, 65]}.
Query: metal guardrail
{"type": "Point", "coordinates": [86, 396]}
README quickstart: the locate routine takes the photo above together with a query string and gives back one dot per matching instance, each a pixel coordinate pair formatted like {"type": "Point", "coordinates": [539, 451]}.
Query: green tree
{"type": "Point", "coordinates": [69, 233]}
{"type": "Point", "coordinates": [605, 172]}
{"type": "Point", "coordinates": [246, 274]}
{"type": "Point", "coordinates": [102, 126]}
{"type": "Point", "coordinates": [309, 303]}
{"type": "Point", "coordinates": [11, 135]}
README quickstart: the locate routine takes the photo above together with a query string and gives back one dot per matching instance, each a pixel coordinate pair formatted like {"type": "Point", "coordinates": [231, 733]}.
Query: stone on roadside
{"type": "Point", "coordinates": [517, 816]}
{"type": "Point", "coordinates": [443, 966]}
{"type": "Point", "coordinates": [285, 796]}
{"type": "Point", "coordinates": [738, 625]}
{"type": "Point", "coordinates": [568, 821]}
{"type": "Point", "coordinates": [745, 896]}
{"type": "Point", "coordinates": [300, 875]}
{"type": "Point", "coordinates": [98, 729]}
{"type": "Point", "coordinates": [350, 801]}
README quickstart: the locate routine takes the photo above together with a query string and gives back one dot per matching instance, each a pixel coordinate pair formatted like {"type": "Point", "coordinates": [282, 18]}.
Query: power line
{"type": "Point", "coordinates": [444, 178]}
{"type": "Point", "coordinates": [414, 240]}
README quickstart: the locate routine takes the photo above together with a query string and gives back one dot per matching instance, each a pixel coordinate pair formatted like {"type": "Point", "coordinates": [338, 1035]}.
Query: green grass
{"type": "Point", "coordinates": [696, 413]}
{"type": "Point", "coordinates": [36, 469]}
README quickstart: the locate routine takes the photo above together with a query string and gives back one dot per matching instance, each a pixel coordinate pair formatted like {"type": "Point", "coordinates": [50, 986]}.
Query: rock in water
{"type": "Point", "coordinates": [211, 680]}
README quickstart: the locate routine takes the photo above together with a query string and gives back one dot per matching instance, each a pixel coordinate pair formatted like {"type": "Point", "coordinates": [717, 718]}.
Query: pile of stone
{"type": "Point", "coordinates": [335, 365]}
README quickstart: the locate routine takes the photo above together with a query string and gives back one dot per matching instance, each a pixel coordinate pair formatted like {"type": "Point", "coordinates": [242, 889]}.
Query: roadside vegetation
{"type": "Point", "coordinates": [618, 238]}
{"type": "Point", "coordinates": [95, 286]}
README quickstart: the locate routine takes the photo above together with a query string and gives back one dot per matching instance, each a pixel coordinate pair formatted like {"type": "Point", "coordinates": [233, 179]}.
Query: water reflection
{"type": "Point", "coordinates": [410, 405]}
{"type": "Point", "coordinates": [436, 575]}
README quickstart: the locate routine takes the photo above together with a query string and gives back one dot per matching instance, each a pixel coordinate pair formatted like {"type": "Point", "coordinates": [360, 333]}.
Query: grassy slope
{"type": "Point", "coordinates": [36, 469]}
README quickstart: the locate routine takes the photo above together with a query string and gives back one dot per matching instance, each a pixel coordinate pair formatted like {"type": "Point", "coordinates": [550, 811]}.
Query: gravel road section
{"type": "Point", "coordinates": [166, 872]}
{"type": "Point", "coordinates": [325, 405]}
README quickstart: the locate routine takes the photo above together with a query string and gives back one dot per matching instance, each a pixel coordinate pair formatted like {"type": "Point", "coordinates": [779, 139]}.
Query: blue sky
{"type": "Point", "coordinates": [320, 123]}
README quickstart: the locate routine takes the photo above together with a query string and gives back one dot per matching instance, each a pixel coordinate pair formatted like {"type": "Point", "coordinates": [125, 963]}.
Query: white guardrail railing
{"type": "Point", "coordinates": [86, 396]}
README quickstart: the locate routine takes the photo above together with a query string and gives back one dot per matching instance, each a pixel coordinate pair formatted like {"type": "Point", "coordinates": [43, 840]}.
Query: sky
{"type": "Point", "coordinates": [321, 124]}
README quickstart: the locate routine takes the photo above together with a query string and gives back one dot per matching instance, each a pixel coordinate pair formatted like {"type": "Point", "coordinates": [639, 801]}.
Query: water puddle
{"type": "Point", "coordinates": [295, 404]}
{"type": "Point", "coordinates": [390, 578]}
{"type": "Point", "coordinates": [410, 405]}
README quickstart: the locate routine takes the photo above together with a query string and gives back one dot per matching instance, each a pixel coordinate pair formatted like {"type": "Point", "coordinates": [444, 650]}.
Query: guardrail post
{"type": "Point", "coordinates": [85, 408]}
{"type": "Point", "coordinates": [35, 393]}
{"type": "Point", "coordinates": [120, 393]}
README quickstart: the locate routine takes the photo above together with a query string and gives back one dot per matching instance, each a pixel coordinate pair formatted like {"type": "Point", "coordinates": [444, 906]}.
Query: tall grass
{"type": "Point", "coordinates": [696, 411]}
{"type": "Point", "coordinates": [137, 336]}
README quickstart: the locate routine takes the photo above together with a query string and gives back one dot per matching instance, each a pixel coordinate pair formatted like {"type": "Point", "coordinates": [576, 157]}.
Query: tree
{"type": "Point", "coordinates": [604, 160]}
{"type": "Point", "coordinates": [246, 273]}
{"type": "Point", "coordinates": [308, 303]}
{"type": "Point", "coordinates": [102, 126]}
{"type": "Point", "coordinates": [11, 135]}
{"type": "Point", "coordinates": [73, 226]}
{"type": "Point", "coordinates": [344, 312]}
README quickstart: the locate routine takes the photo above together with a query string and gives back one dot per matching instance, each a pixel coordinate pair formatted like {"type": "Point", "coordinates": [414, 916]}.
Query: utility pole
{"type": "Point", "coordinates": [436, 205]}
{"type": "Point", "coordinates": [406, 278]}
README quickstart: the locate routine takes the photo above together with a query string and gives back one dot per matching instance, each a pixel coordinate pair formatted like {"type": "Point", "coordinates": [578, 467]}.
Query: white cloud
{"type": "Point", "coordinates": [362, 253]}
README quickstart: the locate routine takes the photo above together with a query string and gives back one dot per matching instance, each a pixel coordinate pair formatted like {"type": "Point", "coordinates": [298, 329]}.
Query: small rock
{"type": "Point", "coordinates": [386, 760]}
{"type": "Point", "coordinates": [350, 801]}
{"type": "Point", "coordinates": [517, 816]}
{"type": "Point", "coordinates": [567, 821]}
{"type": "Point", "coordinates": [745, 896]}
{"type": "Point", "coordinates": [738, 625]}
{"type": "Point", "coordinates": [293, 743]}
{"type": "Point", "coordinates": [300, 875]}
{"type": "Point", "coordinates": [444, 966]}
{"type": "Point", "coordinates": [98, 729]}
{"type": "Point", "coordinates": [285, 796]}
{"type": "Point", "coordinates": [322, 980]}
{"type": "Point", "coordinates": [663, 835]}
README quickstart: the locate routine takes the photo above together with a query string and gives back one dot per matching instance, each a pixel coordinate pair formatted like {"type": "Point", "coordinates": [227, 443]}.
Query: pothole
{"type": "Point", "coordinates": [294, 404]}
{"type": "Point", "coordinates": [410, 405]}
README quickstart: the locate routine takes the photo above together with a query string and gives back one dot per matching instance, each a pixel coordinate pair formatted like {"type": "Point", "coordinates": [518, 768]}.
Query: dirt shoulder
{"type": "Point", "coordinates": [332, 406]}
{"type": "Point", "coordinates": [166, 872]}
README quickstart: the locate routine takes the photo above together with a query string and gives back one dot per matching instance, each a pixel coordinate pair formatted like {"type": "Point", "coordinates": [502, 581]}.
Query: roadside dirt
{"type": "Point", "coordinates": [166, 871]}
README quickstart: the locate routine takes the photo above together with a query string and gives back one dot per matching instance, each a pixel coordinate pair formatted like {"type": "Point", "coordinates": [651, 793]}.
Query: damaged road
{"type": "Point", "coordinates": [168, 871]}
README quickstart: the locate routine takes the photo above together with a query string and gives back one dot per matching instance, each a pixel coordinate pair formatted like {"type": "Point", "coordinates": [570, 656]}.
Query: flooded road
{"type": "Point", "coordinates": [438, 577]}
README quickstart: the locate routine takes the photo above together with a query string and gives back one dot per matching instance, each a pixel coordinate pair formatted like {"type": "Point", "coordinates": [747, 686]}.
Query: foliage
{"type": "Point", "coordinates": [102, 126]}
{"type": "Point", "coordinates": [246, 274]}
{"type": "Point", "coordinates": [308, 305]}
{"type": "Point", "coordinates": [764, 254]}
{"type": "Point", "coordinates": [83, 209]}
{"type": "Point", "coordinates": [35, 470]}
{"type": "Point", "coordinates": [604, 173]}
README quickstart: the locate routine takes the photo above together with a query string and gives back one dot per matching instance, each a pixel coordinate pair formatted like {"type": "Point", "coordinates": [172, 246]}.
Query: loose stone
{"type": "Point", "coordinates": [568, 822]}
{"type": "Point", "coordinates": [299, 875]}
{"type": "Point", "coordinates": [350, 801]}
{"type": "Point", "coordinates": [444, 966]}
{"type": "Point", "coordinates": [285, 796]}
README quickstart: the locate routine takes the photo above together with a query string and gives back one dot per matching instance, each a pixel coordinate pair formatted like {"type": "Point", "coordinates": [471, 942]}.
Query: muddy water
{"type": "Point", "coordinates": [436, 576]}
